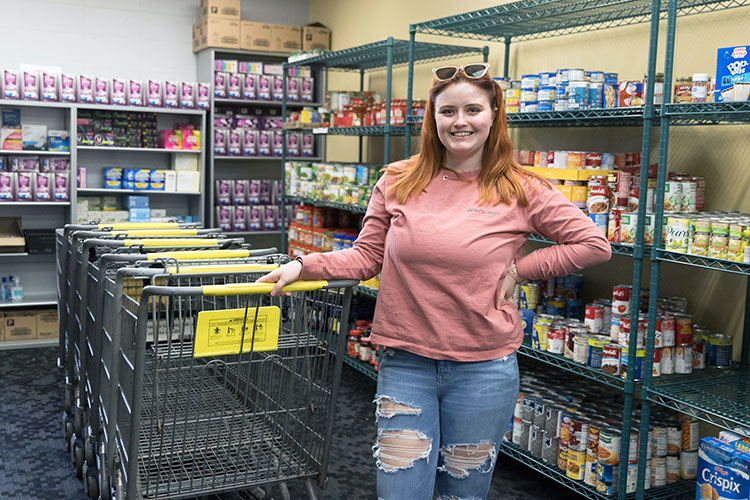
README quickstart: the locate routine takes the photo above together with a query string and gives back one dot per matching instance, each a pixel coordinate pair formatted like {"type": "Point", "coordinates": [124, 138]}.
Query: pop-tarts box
{"type": "Point", "coordinates": [723, 472]}
{"type": "Point", "coordinates": [733, 74]}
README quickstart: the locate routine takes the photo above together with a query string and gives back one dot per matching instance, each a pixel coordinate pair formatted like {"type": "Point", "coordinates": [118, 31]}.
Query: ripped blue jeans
{"type": "Point", "coordinates": [440, 424]}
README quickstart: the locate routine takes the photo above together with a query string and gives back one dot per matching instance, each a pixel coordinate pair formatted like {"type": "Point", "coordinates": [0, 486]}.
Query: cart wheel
{"type": "Point", "coordinates": [77, 421]}
{"type": "Point", "coordinates": [89, 448]}
{"type": "Point", "coordinates": [78, 457]}
{"type": "Point", "coordinates": [67, 429]}
{"type": "Point", "coordinates": [284, 491]}
{"type": "Point", "coordinates": [84, 470]}
{"type": "Point", "coordinates": [72, 440]}
{"type": "Point", "coordinates": [118, 490]}
{"type": "Point", "coordinates": [92, 483]}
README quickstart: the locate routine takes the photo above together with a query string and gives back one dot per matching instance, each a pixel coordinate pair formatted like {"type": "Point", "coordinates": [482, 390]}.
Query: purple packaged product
{"type": "Point", "coordinates": [250, 86]}
{"type": "Point", "coordinates": [68, 88]}
{"type": "Point", "coordinates": [293, 85]}
{"type": "Point", "coordinates": [59, 164]}
{"type": "Point", "coordinates": [235, 142]}
{"type": "Point", "coordinates": [42, 184]}
{"type": "Point", "coordinates": [220, 84]}
{"type": "Point", "coordinates": [187, 95]}
{"type": "Point", "coordinates": [306, 94]}
{"type": "Point", "coordinates": [7, 186]}
{"type": "Point", "coordinates": [247, 121]}
{"type": "Point", "coordinates": [264, 87]}
{"type": "Point", "coordinates": [308, 144]}
{"type": "Point", "coordinates": [170, 95]}
{"type": "Point", "coordinates": [239, 192]}
{"type": "Point", "coordinates": [101, 90]}
{"type": "Point", "coordinates": [153, 93]}
{"type": "Point", "coordinates": [224, 218]}
{"type": "Point", "coordinates": [203, 99]}
{"type": "Point", "coordinates": [239, 219]}
{"type": "Point", "coordinates": [272, 69]}
{"type": "Point", "coordinates": [234, 86]}
{"type": "Point", "coordinates": [85, 88]}
{"type": "Point", "coordinates": [9, 85]}
{"type": "Point", "coordinates": [276, 192]}
{"type": "Point", "coordinates": [49, 87]}
{"type": "Point", "coordinates": [24, 183]}
{"type": "Point", "coordinates": [62, 179]}
{"type": "Point", "coordinates": [270, 217]}
{"type": "Point", "coordinates": [277, 83]}
{"type": "Point", "coordinates": [278, 142]}
{"type": "Point", "coordinates": [264, 142]}
{"type": "Point", "coordinates": [25, 164]}
{"type": "Point", "coordinates": [30, 86]}
{"type": "Point", "coordinates": [292, 143]}
{"type": "Point", "coordinates": [117, 91]}
{"type": "Point", "coordinates": [134, 91]}
{"type": "Point", "coordinates": [224, 189]}
{"type": "Point", "coordinates": [272, 123]}
{"type": "Point", "coordinates": [221, 137]}
{"type": "Point", "coordinates": [254, 222]}
{"type": "Point", "coordinates": [223, 121]}
{"type": "Point", "coordinates": [264, 192]}
{"type": "Point", "coordinates": [81, 178]}
{"type": "Point", "coordinates": [253, 192]}
{"type": "Point", "coordinates": [249, 142]}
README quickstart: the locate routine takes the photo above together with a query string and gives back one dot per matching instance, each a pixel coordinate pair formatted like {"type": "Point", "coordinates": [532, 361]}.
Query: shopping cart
{"type": "Point", "coordinates": [246, 399]}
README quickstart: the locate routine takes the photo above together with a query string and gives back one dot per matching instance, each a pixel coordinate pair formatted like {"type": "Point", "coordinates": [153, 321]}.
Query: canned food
{"type": "Point", "coordinates": [683, 358]}
{"type": "Point", "coordinates": [598, 199]}
{"type": "Point", "coordinates": [609, 445]}
{"type": "Point", "coordinates": [656, 365]}
{"type": "Point", "coordinates": [592, 444]}
{"type": "Point", "coordinates": [575, 74]}
{"type": "Point", "coordinates": [673, 469]}
{"type": "Point", "coordinates": [576, 464]}
{"type": "Point", "coordinates": [575, 159]}
{"type": "Point", "coordinates": [545, 105]}
{"type": "Point", "coordinates": [530, 82]}
{"type": "Point", "coordinates": [699, 354]}
{"type": "Point", "coordinates": [689, 437]}
{"type": "Point", "coordinates": [688, 464]}
{"type": "Point", "coordinates": [648, 231]}
{"type": "Point", "coordinates": [547, 93]}
{"type": "Point", "coordinates": [540, 158]}
{"type": "Point", "coordinates": [562, 456]}
{"type": "Point", "coordinates": [529, 296]}
{"type": "Point", "coordinates": [674, 439]}
{"type": "Point", "coordinates": [719, 243]}
{"type": "Point", "coordinates": [659, 471]}
{"type": "Point", "coordinates": [683, 333]}
{"type": "Point", "coordinates": [595, 352]}
{"type": "Point", "coordinates": [594, 318]}
{"type": "Point", "coordinates": [659, 441]}
{"type": "Point", "coordinates": [550, 449]}
{"type": "Point", "coordinates": [536, 436]}
{"type": "Point", "coordinates": [581, 349]}
{"type": "Point", "coordinates": [677, 234]}
{"type": "Point", "coordinates": [556, 337]}
{"type": "Point", "coordinates": [626, 325]}
{"type": "Point", "coordinates": [720, 350]}
{"type": "Point", "coordinates": [579, 433]}
{"type": "Point", "coordinates": [628, 227]}
{"type": "Point", "coordinates": [517, 431]}
{"type": "Point", "coordinates": [640, 355]}
{"type": "Point", "coordinates": [570, 333]}
{"type": "Point", "coordinates": [595, 96]}
{"type": "Point", "coordinates": [578, 94]}
{"type": "Point", "coordinates": [556, 306]}
{"type": "Point", "coordinates": [601, 221]}
{"type": "Point", "coordinates": [529, 107]}
{"type": "Point", "coordinates": [540, 412]}
{"type": "Point", "coordinates": [607, 478]}
{"type": "Point", "coordinates": [672, 196]}
{"type": "Point", "coordinates": [667, 360]}
{"type": "Point", "coordinates": [621, 295]}
{"type": "Point", "coordinates": [589, 470]}
{"type": "Point", "coordinates": [614, 224]}
{"type": "Point", "coordinates": [688, 196]}
{"type": "Point", "coordinates": [665, 326]}
{"type": "Point", "coordinates": [700, 192]}
{"type": "Point", "coordinates": [541, 328]}
{"type": "Point", "coordinates": [529, 95]}
{"type": "Point", "coordinates": [611, 359]}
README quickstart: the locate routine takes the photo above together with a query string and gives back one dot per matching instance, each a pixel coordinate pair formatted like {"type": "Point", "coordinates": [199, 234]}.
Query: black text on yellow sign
{"type": "Point", "coordinates": [220, 333]}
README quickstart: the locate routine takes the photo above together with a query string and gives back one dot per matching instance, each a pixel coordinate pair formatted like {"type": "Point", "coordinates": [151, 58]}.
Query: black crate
{"type": "Point", "coordinates": [40, 241]}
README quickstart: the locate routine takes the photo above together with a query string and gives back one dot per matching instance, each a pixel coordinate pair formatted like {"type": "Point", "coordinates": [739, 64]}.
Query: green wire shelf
{"type": "Point", "coordinates": [680, 490]}
{"type": "Point", "coordinates": [320, 203]}
{"type": "Point", "coordinates": [568, 365]}
{"type": "Point", "coordinates": [708, 113]}
{"type": "Point", "coordinates": [358, 365]}
{"type": "Point", "coordinates": [530, 20]}
{"type": "Point", "coordinates": [366, 290]}
{"type": "Point", "coordinates": [726, 266]}
{"type": "Point", "coordinates": [617, 248]}
{"type": "Point", "coordinates": [719, 397]}
{"type": "Point", "coordinates": [358, 131]}
{"type": "Point", "coordinates": [614, 117]}
{"type": "Point", "coordinates": [372, 56]}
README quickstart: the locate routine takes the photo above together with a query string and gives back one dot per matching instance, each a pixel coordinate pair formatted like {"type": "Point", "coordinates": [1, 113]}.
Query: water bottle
{"type": "Point", "coordinates": [16, 290]}
{"type": "Point", "coordinates": [3, 292]}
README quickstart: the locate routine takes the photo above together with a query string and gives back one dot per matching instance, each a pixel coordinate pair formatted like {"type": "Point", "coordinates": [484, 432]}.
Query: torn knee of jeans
{"type": "Point", "coordinates": [387, 408]}
{"type": "Point", "coordinates": [399, 449]}
{"type": "Point", "coordinates": [459, 459]}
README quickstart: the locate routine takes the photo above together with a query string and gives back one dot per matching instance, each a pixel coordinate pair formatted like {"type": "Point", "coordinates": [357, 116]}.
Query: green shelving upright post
{"type": "Point", "coordinates": [410, 90]}
{"type": "Point", "coordinates": [388, 89]}
{"type": "Point", "coordinates": [282, 204]}
{"type": "Point", "coordinates": [506, 61]}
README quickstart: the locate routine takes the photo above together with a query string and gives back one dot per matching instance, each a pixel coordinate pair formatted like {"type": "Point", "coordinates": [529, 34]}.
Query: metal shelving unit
{"type": "Point", "coordinates": [320, 203]}
{"type": "Point", "coordinates": [615, 117]}
{"type": "Point", "coordinates": [35, 204]}
{"type": "Point", "coordinates": [87, 191]}
{"type": "Point", "coordinates": [31, 300]}
{"type": "Point", "coordinates": [617, 248]}
{"type": "Point", "coordinates": [139, 150]}
{"type": "Point", "coordinates": [366, 290]}
{"type": "Point", "coordinates": [708, 113]}
{"type": "Point", "coordinates": [28, 152]}
{"type": "Point", "coordinates": [263, 158]}
{"type": "Point", "coordinates": [257, 102]}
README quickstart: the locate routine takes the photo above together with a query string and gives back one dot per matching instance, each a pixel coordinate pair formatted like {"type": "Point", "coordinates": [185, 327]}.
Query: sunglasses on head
{"type": "Point", "coordinates": [473, 71]}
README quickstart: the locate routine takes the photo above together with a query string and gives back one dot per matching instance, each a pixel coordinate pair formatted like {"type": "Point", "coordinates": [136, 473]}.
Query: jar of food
{"type": "Point", "coordinates": [682, 90]}
{"type": "Point", "coordinates": [699, 91]}
{"type": "Point", "coordinates": [352, 343]}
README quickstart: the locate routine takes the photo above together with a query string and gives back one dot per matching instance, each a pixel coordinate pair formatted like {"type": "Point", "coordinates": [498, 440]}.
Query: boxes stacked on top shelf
{"type": "Point", "coordinates": [18, 136]}
{"type": "Point", "coordinates": [248, 205]}
{"type": "Point", "coordinates": [29, 325]}
{"type": "Point", "coordinates": [34, 178]}
{"type": "Point", "coordinates": [350, 184]}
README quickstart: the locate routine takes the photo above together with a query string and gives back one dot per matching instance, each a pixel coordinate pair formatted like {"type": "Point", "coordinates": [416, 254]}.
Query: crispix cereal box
{"type": "Point", "coordinates": [723, 472]}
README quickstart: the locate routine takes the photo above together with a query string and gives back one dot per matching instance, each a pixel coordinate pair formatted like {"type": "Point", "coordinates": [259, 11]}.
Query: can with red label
{"type": "Point", "coordinates": [623, 188]}
{"type": "Point", "coordinates": [683, 331]}
{"type": "Point", "coordinates": [683, 358]}
{"type": "Point", "coordinates": [667, 360]}
{"type": "Point", "coordinates": [594, 317]}
{"type": "Point", "coordinates": [699, 354]}
{"type": "Point", "coordinates": [556, 337]}
{"type": "Point", "coordinates": [656, 367]}
{"type": "Point", "coordinates": [570, 333]}
{"type": "Point", "coordinates": [614, 224]}
{"type": "Point", "coordinates": [593, 160]}
{"type": "Point", "coordinates": [611, 359]}
{"type": "Point", "coordinates": [540, 159]}
{"type": "Point", "coordinates": [579, 433]}
{"type": "Point", "coordinates": [598, 199]}
{"type": "Point", "coordinates": [621, 295]}
{"type": "Point", "coordinates": [665, 326]}
{"type": "Point", "coordinates": [597, 180]}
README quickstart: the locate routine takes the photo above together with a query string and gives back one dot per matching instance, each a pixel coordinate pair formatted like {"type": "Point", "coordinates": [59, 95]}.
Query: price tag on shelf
{"type": "Point", "coordinates": [320, 130]}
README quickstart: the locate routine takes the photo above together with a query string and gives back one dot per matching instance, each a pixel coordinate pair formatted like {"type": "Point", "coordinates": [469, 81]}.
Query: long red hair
{"type": "Point", "coordinates": [501, 178]}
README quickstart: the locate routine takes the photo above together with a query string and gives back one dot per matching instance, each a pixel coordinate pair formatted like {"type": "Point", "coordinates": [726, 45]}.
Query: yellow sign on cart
{"type": "Point", "coordinates": [219, 333]}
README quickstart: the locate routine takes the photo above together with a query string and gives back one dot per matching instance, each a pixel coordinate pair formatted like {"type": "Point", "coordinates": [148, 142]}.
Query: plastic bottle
{"type": "Point", "coordinates": [3, 295]}
{"type": "Point", "coordinates": [7, 289]}
{"type": "Point", "coordinates": [16, 290]}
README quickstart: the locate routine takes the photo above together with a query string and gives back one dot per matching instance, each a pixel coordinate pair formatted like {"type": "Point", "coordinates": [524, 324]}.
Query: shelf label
{"type": "Point", "coordinates": [220, 333]}
{"type": "Point", "coordinates": [320, 130]}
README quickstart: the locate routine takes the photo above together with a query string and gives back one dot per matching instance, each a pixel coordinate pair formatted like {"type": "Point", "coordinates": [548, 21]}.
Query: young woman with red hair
{"type": "Point", "coordinates": [446, 229]}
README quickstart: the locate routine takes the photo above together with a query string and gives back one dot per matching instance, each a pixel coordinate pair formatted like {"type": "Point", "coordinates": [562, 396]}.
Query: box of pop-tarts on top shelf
{"type": "Point", "coordinates": [723, 472]}
{"type": "Point", "coordinates": [733, 74]}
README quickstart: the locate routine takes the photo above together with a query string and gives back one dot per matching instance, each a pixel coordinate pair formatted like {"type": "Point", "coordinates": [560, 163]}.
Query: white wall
{"type": "Point", "coordinates": [126, 38]}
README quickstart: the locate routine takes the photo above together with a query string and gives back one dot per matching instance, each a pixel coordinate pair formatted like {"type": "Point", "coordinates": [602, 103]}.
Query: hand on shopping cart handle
{"type": "Point", "coordinates": [288, 273]}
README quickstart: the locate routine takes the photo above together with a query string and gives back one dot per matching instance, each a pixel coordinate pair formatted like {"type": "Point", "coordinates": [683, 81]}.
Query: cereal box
{"type": "Point", "coordinates": [733, 74]}
{"type": "Point", "coordinates": [723, 472]}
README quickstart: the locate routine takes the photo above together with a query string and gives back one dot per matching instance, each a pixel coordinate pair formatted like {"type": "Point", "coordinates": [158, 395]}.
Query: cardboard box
{"type": "Point", "coordinates": [316, 36]}
{"type": "Point", "coordinates": [188, 182]}
{"type": "Point", "coordinates": [47, 325]}
{"type": "Point", "coordinates": [11, 235]}
{"type": "Point", "coordinates": [219, 33]}
{"type": "Point", "coordinates": [2, 327]}
{"type": "Point", "coordinates": [20, 325]}
{"type": "Point", "coordinates": [256, 36]}
{"type": "Point", "coordinates": [286, 38]}
{"type": "Point", "coordinates": [197, 38]}
{"type": "Point", "coordinates": [220, 9]}
{"type": "Point", "coordinates": [733, 74]}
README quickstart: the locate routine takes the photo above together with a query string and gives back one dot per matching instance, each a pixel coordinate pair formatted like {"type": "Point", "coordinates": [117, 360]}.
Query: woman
{"type": "Point", "coordinates": [446, 228]}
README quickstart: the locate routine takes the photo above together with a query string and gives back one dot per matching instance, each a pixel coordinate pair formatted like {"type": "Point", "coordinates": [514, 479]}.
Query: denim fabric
{"type": "Point", "coordinates": [451, 403]}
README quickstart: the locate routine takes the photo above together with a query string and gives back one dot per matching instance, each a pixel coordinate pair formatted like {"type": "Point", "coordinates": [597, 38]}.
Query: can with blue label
{"type": "Point", "coordinates": [600, 221]}
{"type": "Point", "coordinates": [544, 78]}
{"type": "Point", "coordinates": [578, 94]}
{"type": "Point", "coordinates": [527, 320]}
{"type": "Point", "coordinates": [546, 106]}
{"type": "Point", "coordinates": [562, 76]}
{"type": "Point", "coordinates": [596, 77]}
{"type": "Point", "coordinates": [561, 104]}
{"type": "Point", "coordinates": [530, 82]}
{"type": "Point", "coordinates": [529, 107]}
{"type": "Point", "coordinates": [596, 95]}
{"type": "Point", "coordinates": [547, 93]}
{"type": "Point", "coordinates": [561, 90]}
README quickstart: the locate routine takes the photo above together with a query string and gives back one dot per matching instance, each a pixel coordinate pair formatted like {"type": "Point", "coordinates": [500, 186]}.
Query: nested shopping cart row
{"type": "Point", "coordinates": [183, 376]}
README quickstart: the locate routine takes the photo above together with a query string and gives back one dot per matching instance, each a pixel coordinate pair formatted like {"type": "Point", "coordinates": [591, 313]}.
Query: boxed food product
{"type": "Point", "coordinates": [733, 74]}
{"type": "Point", "coordinates": [256, 36]}
{"type": "Point", "coordinates": [316, 36]}
{"type": "Point", "coordinates": [723, 471]}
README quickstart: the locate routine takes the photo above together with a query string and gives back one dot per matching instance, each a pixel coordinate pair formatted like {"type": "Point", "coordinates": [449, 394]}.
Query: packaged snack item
{"type": "Point", "coordinates": [733, 74]}
{"type": "Point", "coordinates": [723, 471]}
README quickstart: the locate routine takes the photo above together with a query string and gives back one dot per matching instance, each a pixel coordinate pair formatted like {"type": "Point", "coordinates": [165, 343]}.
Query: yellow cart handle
{"type": "Point", "coordinates": [187, 242]}
{"type": "Point", "coordinates": [261, 288]}
{"type": "Point", "coordinates": [138, 225]}
{"type": "Point", "coordinates": [200, 255]}
{"type": "Point", "coordinates": [223, 268]}
{"type": "Point", "coordinates": [156, 232]}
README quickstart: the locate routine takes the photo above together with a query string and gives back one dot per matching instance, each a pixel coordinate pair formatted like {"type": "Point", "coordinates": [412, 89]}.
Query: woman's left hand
{"type": "Point", "coordinates": [508, 288]}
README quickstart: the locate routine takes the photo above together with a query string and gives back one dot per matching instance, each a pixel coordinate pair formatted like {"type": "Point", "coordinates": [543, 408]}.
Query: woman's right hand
{"type": "Point", "coordinates": [288, 273]}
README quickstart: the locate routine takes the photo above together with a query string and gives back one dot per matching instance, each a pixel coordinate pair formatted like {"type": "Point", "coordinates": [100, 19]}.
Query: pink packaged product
{"type": "Point", "coordinates": [221, 80]}
{"type": "Point", "coordinates": [134, 93]}
{"type": "Point", "coordinates": [24, 186]}
{"type": "Point", "coordinates": [191, 139]}
{"type": "Point", "coordinates": [308, 145]}
{"type": "Point", "coordinates": [9, 85]}
{"type": "Point", "coordinates": [278, 142]}
{"type": "Point", "coordinates": [203, 99]}
{"type": "Point", "coordinates": [239, 192]}
{"type": "Point", "coordinates": [254, 222]}
{"type": "Point", "coordinates": [306, 92]}
{"type": "Point", "coordinates": [7, 186]}
{"type": "Point", "coordinates": [53, 164]}
{"type": "Point", "coordinates": [292, 88]}
{"type": "Point", "coordinates": [85, 88]}
{"type": "Point", "coordinates": [272, 123]}
{"type": "Point", "coordinates": [264, 142]}
{"type": "Point", "coordinates": [235, 142]}
{"type": "Point", "coordinates": [264, 87]}
{"type": "Point", "coordinates": [224, 218]}
{"type": "Point", "coordinates": [239, 219]}
{"type": "Point", "coordinates": [187, 95]}
{"type": "Point", "coordinates": [170, 139]}
{"type": "Point", "coordinates": [270, 217]}
{"type": "Point", "coordinates": [62, 180]}
{"type": "Point", "coordinates": [117, 91]}
{"type": "Point", "coordinates": [224, 189]}
{"type": "Point", "coordinates": [42, 187]}
{"type": "Point", "coordinates": [249, 142]}
{"type": "Point", "coordinates": [247, 121]}
{"type": "Point", "coordinates": [273, 69]}
{"type": "Point", "coordinates": [234, 86]}
{"type": "Point", "coordinates": [253, 192]}
{"type": "Point", "coordinates": [170, 95]}
{"type": "Point", "coordinates": [68, 88]}
{"type": "Point", "coordinates": [30, 86]}
{"type": "Point", "coordinates": [221, 137]}
{"type": "Point", "coordinates": [249, 86]}
{"type": "Point", "coordinates": [101, 91]}
{"type": "Point", "coordinates": [264, 192]}
{"type": "Point", "coordinates": [49, 82]}
{"type": "Point", "coordinates": [223, 121]}
{"type": "Point", "coordinates": [278, 88]}
{"type": "Point", "coordinates": [81, 178]}
{"type": "Point", "coordinates": [153, 93]}
{"type": "Point", "coordinates": [292, 143]}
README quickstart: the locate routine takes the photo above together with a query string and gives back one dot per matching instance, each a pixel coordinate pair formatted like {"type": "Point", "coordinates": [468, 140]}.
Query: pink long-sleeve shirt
{"type": "Point", "coordinates": [444, 257]}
